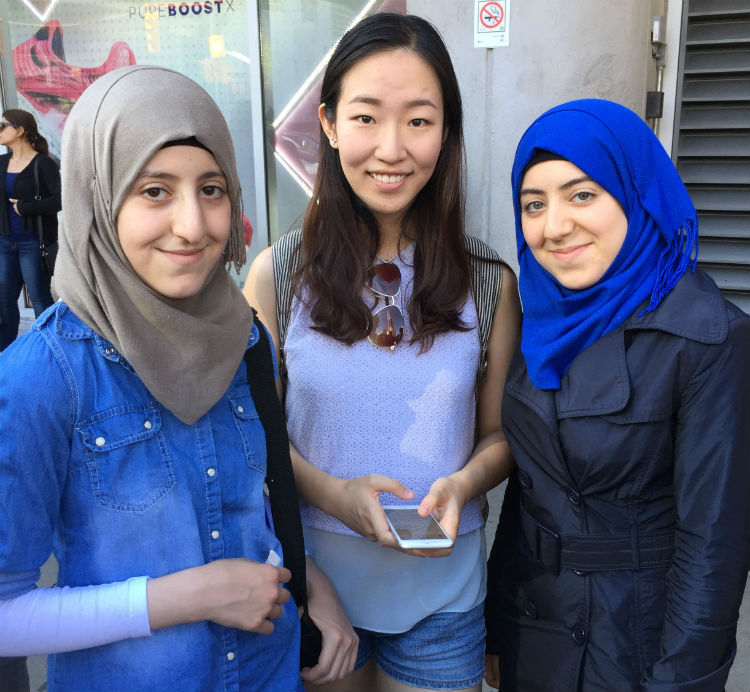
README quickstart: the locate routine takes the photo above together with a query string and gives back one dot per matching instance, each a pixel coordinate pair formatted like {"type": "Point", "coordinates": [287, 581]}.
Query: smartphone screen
{"type": "Point", "coordinates": [413, 530]}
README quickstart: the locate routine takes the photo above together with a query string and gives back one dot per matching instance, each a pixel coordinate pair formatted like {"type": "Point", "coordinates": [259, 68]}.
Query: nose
{"type": "Point", "coordinates": [558, 221]}
{"type": "Point", "coordinates": [187, 219]}
{"type": "Point", "coordinates": [390, 143]}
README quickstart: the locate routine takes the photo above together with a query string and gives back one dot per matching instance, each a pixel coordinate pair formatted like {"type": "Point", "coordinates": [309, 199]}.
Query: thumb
{"type": "Point", "coordinates": [427, 506]}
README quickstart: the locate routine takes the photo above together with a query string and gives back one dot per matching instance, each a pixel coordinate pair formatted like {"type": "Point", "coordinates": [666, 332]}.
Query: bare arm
{"type": "Point", "coordinates": [235, 593]}
{"type": "Point", "coordinates": [340, 642]}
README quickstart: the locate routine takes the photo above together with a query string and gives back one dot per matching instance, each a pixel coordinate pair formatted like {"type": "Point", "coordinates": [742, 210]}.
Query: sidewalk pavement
{"type": "Point", "coordinates": [738, 676]}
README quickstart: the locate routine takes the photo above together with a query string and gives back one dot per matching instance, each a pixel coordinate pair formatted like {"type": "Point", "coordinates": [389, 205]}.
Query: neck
{"type": "Point", "coordinates": [392, 240]}
{"type": "Point", "coordinates": [22, 151]}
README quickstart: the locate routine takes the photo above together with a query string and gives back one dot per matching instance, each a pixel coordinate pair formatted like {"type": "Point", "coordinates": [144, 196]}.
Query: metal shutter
{"type": "Point", "coordinates": [711, 147]}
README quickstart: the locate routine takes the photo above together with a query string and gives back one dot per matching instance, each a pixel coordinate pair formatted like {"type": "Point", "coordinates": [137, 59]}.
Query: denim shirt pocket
{"type": "Point", "coordinates": [127, 458]}
{"type": "Point", "coordinates": [251, 430]}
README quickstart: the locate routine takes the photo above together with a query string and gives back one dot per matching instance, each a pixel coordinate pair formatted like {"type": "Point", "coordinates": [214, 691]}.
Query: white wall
{"type": "Point", "coordinates": [558, 51]}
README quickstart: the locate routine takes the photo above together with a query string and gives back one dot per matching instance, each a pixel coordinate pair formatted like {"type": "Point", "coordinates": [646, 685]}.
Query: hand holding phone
{"type": "Point", "coordinates": [413, 531]}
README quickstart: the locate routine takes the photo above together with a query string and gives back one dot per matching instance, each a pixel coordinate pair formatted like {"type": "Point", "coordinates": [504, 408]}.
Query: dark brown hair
{"type": "Point", "coordinates": [24, 119]}
{"type": "Point", "coordinates": [340, 236]}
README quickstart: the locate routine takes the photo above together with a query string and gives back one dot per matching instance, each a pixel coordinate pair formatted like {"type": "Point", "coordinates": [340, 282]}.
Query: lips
{"type": "Point", "coordinates": [184, 256]}
{"type": "Point", "coordinates": [569, 253]}
{"type": "Point", "coordinates": [388, 178]}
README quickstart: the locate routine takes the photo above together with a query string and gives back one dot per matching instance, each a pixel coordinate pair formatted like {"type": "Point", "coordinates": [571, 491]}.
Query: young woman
{"type": "Point", "coordinates": [29, 199]}
{"type": "Point", "coordinates": [131, 446]}
{"type": "Point", "coordinates": [622, 549]}
{"type": "Point", "coordinates": [391, 323]}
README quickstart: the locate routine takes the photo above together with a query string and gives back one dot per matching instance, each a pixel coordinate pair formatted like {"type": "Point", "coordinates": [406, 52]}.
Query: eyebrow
{"type": "Point", "coordinates": [162, 175]}
{"type": "Point", "coordinates": [377, 102]}
{"type": "Point", "coordinates": [564, 186]}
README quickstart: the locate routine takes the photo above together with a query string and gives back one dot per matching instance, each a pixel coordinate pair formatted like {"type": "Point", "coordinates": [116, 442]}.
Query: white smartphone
{"type": "Point", "coordinates": [412, 530]}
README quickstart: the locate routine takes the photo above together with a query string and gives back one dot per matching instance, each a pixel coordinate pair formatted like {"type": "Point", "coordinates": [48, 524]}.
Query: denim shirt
{"type": "Point", "coordinates": [93, 468]}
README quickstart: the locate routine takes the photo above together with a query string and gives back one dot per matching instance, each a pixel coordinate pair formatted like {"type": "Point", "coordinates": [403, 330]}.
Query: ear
{"type": "Point", "coordinates": [328, 127]}
{"type": "Point", "coordinates": [445, 135]}
{"type": "Point", "coordinates": [20, 131]}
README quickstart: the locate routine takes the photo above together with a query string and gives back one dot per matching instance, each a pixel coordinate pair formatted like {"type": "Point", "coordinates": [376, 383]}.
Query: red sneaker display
{"type": "Point", "coordinates": [51, 84]}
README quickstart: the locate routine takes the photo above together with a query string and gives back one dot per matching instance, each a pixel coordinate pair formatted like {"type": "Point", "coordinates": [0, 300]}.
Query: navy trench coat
{"type": "Point", "coordinates": [624, 538]}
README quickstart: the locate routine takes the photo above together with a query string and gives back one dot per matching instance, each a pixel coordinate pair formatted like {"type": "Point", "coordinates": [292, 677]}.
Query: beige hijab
{"type": "Point", "coordinates": [185, 351]}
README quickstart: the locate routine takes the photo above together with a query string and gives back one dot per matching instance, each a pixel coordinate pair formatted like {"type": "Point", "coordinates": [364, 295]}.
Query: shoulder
{"type": "Point", "coordinates": [478, 249]}
{"type": "Point", "coordinates": [694, 309]}
{"type": "Point", "coordinates": [285, 250]}
{"type": "Point", "coordinates": [262, 266]}
{"type": "Point", "coordinates": [32, 366]}
{"type": "Point", "coordinates": [47, 163]}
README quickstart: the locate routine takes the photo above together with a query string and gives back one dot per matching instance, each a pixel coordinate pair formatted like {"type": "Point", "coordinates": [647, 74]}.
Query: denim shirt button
{"type": "Point", "coordinates": [211, 472]}
{"type": "Point", "coordinates": [147, 425]}
{"type": "Point", "coordinates": [230, 656]}
{"type": "Point", "coordinates": [215, 534]}
{"type": "Point", "coordinates": [110, 351]}
{"type": "Point", "coordinates": [240, 409]}
{"type": "Point", "coordinates": [100, 442]}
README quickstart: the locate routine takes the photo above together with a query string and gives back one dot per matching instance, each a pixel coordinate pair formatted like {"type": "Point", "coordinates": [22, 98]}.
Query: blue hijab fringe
{"type": "Point", "coordinates": [674, 262]}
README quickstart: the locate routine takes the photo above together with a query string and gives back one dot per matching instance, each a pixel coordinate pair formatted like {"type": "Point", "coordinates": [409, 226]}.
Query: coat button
{"type": "Point", "coordinates": [578, 633]}
{"type": "Point", "coordinates": [524, 479]}
{"type": "Point", "coordinates": [574, 496]}
{"type": "Point", "coordinates": [530, 609]}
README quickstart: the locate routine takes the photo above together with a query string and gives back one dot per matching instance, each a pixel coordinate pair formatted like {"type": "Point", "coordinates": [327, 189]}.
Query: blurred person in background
{"type": "Point", "coordinates": [29, 202]}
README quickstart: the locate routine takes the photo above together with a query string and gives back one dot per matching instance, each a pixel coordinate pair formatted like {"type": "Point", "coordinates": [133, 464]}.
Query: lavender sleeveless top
{"type": "Point", "coordinates": [354, 410]}
{"type": "Point", "coordinates": [361, 409]}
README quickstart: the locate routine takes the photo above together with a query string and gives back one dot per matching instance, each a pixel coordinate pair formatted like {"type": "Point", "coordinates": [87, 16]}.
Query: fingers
{"type": "Point", "coordinates": [337, 656]}
{"type": "Point", "coordinates": [392, 486]}
{"type": "Point", "coordinates": [492, 670]}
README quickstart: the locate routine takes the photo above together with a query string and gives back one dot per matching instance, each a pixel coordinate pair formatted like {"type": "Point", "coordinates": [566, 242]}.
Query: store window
{"type": "Point", "coordinates": [52, 50]}
{"type": "Point", "coordinates": [297, 37]}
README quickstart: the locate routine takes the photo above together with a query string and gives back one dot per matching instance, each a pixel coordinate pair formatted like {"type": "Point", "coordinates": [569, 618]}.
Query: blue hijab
{"type": "Point", "coordinates": [614, 147]}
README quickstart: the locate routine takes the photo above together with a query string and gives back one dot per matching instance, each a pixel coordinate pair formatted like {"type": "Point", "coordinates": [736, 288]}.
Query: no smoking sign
{"type": "Point", "coordinates": [491, 23]}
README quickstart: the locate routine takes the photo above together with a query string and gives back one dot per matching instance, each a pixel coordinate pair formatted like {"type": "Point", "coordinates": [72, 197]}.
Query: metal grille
{"type": "Point", "coordinates": [712, 137]}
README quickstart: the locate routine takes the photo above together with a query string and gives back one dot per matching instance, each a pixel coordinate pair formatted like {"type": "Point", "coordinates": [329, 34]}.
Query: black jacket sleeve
{"type": "Point", "coordinates": [49, 189]}
{"type": "Point", "coordinates": [711, 477]}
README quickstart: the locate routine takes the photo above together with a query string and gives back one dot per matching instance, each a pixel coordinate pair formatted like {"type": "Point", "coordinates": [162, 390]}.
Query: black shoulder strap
{"type": "Point", "coordinates": [282, 490]}
{"type": "Point", "coordinates": [38, 196]}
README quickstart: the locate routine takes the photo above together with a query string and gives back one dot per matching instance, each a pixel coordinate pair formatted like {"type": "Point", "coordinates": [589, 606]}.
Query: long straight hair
{"type": "Point", "coordinates": [340, 236]}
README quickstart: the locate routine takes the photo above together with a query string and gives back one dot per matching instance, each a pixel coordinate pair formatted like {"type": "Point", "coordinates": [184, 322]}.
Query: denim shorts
{"type": "Point", "coordinates": [445, 651]}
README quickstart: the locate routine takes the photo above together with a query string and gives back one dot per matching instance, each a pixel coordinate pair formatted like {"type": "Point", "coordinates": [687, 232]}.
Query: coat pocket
{"type": "Point", "coordinates": [127, 458]}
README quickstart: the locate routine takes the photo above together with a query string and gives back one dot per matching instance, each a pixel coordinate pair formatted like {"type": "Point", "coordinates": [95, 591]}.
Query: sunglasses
{"type": "Point", "coordinates": [386, 326]}
{"type": "Point", "coordinates": [4, 124]}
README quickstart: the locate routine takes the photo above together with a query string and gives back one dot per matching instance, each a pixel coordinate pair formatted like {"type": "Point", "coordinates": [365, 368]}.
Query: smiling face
{"type": "Point", "coordinates": [175, 220]}
{"type": "Point", "coordinates": [388, 129]}
{"type": "Point", "coordinates": [572, 225]}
